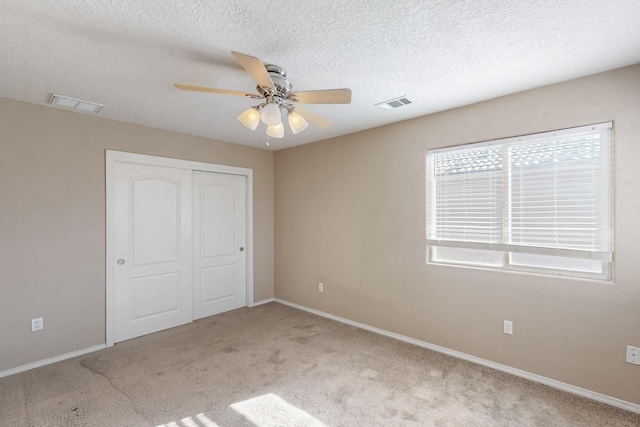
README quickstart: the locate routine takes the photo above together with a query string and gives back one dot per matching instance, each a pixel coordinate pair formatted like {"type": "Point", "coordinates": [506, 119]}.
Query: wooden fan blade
{"type": "Point", "coordinates": [327, 96]}
{"type": "Point", "coordinates": [256, 68]}
{"type": "Point", "coordinates": [212, 90]}
{"type": "Point", "coordinates": [312, 117]}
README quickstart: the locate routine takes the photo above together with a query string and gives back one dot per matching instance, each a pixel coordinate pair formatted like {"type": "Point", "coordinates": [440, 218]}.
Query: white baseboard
{"type": "Point", "coordinates": [484, 362]}
{"type": "Point", "coordinates": [50, 360]}
{"type": "Point", "coordinates": [264, 301]}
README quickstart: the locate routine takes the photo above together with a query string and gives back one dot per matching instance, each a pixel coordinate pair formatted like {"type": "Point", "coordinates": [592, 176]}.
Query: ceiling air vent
{"type": "Point", "coordinates": [75, 104]}
{"type": "Point", "coordinates": [400, 101]}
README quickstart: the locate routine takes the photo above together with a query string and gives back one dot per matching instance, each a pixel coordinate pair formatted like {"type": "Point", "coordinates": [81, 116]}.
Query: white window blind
{"type": "Point", "coordinates": [544, 194]}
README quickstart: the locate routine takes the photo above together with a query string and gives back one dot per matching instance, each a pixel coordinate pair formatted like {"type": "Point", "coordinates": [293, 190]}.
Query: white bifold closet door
{"type": "Point", "coordinates": [153, 244]}
{"type": "Point", "coordinates": [179, 247]}
{"type": "Point", "coordinates": [218, 250]}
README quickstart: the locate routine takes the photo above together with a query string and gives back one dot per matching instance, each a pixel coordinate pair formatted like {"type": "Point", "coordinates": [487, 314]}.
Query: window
{"type": "Point", "coordinates": [539, 203]}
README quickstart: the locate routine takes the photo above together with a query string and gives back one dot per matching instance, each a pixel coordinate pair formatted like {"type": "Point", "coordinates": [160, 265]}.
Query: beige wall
{"type": "Point", "coordinates": [52, 221]}
{"type": "Point", "coordinates": [350, 213]}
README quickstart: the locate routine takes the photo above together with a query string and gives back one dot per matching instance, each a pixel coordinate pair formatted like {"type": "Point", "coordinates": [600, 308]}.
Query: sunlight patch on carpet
{"type": "Point", "coordinates": [272, 410]}
{"type": "Point", "coordinates": [201, 421]}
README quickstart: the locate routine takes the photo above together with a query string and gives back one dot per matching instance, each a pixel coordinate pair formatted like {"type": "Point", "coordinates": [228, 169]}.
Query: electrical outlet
{"type": "Point", "coordinates": [37, 324]}
{"type": "Point", "coordinates": [508, 327]}
{"type": "Point", "coordinates": [320, 287]}
{"type": "Point", "coordinates": [633, 355]}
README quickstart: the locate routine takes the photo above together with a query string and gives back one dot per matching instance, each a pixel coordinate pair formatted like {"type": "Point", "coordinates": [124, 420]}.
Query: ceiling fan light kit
{"type": "Point", "coordinates": [270, 114]}
{"type": "Point", "coordinates": [276, 131]}
{"type": "Point", "coordinates": [297, 123]}
{"type": "Point", "coordinates": [250, 118]}
{"type": "Point", "coordinates": [275, 89]}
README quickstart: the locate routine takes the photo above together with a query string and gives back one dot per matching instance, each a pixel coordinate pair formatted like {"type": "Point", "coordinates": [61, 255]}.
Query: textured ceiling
{"type": "Point", "coordinates": [440, 54]}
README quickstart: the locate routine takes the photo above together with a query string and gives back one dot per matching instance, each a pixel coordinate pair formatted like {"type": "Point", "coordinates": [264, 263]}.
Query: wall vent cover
{"type": "Point", "coordinates": [400, 101]}
{"type": "Point", "coordinates": [75, 104]}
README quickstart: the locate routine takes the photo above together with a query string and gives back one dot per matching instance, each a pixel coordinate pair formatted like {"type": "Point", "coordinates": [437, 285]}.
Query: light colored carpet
{"type": "Point", "coordinates": [274, 365]}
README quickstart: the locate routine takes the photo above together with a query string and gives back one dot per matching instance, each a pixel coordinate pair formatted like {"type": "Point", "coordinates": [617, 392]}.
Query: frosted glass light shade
{"type": "Point", "coordinates": [297, 123]}
{"type": "Point", "coordinates": [250, 118]}
{"type": "Point", "coordinates": [276, 131]}
{"type": "Point", "coordinates": [270, 115]}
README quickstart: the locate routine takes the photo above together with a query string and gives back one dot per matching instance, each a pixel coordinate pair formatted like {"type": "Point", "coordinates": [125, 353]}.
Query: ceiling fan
{"type": "Point", "coordinates": [275, 89]}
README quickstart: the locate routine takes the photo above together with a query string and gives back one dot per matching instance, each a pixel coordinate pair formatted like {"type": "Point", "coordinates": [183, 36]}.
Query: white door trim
{"type": "Point", "coordinates": [111, 157]}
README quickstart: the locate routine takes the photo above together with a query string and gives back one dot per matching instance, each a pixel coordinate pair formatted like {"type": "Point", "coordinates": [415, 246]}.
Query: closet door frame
{"type": "Point", "coordinates": [111, 158]}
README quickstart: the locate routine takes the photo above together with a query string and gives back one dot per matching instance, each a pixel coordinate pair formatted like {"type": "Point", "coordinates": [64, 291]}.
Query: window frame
{"type": "Point", "coordinates": [604, 261]}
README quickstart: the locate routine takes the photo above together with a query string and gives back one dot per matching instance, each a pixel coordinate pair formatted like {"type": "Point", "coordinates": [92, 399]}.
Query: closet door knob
{"type": "Point", "coordinates": [120, 261]}
{"type": "Point", "coordinates": [241, 248]}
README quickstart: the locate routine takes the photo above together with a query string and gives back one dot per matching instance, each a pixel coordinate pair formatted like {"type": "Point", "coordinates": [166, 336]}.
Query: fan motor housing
{"type": "Point", "coordinates": [278, 76]}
